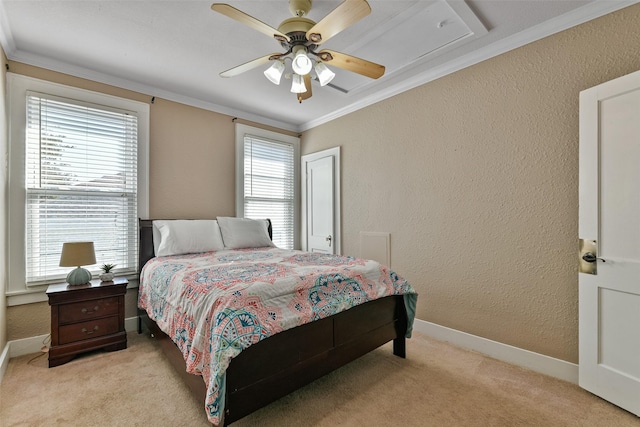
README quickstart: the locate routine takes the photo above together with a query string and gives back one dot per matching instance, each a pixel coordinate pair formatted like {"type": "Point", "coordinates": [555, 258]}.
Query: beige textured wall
{"type": "Point", "coordinates": [3, 200]}
{"type": "Point", "coordinates": [192, 173]}
{"type": "Point", "coordinates": [475, 175]}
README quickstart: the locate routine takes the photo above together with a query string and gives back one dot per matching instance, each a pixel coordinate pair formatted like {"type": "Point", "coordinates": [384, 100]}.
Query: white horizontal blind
{"type": "Point", "coordinates": [81, 184]}
{"type": "Point", "coordinates": [269, 190]}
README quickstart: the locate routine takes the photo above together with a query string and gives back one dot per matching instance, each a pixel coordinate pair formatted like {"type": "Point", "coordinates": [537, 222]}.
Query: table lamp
{"type": "Point", "coordinates": [77, 254]}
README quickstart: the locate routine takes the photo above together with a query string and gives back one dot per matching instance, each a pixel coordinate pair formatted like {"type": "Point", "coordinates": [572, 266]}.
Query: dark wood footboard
{"type": "Point", "coordinates": [287, 361]}
{"type": "Point", "coordinates": [283, 363]}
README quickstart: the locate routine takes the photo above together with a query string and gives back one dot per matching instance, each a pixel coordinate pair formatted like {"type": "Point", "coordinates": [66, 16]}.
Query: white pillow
{"type": "Point", "coordinates": [240, 233]}
{"type": "Point", "coordinates": [186, 236]}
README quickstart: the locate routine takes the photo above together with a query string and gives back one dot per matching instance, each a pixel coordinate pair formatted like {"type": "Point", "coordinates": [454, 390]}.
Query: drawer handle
{"type": "Point", "coordinates": [95, 328]}
{"type": "Point", "coordinates": [85, 311]}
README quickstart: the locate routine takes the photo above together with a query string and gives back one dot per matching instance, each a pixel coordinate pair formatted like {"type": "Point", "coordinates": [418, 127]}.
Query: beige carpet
{"type": "Point", "coordinates": [437, 385]}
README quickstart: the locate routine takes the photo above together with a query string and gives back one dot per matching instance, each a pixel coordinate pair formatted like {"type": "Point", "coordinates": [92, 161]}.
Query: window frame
{"type": "Point", "coordinates": [242, 130]}
{"type": "Point", "coordinates": [17, 87]}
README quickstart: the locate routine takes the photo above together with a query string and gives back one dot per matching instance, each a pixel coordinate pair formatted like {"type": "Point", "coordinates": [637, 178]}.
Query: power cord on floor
{"type": "Point", "coordinates": [44, 350]}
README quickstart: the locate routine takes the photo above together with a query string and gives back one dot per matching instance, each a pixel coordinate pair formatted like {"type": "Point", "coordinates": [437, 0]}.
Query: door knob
{"type": "Point", "coordinates": [590, 257]}
{"type": "Point", "coordinates": [328, 239]}
{"type": "Point", "coordinates": [587, 256]}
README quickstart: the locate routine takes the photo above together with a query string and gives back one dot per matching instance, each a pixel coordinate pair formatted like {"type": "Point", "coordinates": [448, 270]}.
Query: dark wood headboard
{"type": "Point", "coordinates": [145, 250]}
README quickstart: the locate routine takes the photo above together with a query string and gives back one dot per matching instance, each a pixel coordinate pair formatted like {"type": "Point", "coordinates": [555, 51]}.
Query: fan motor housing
{"type": "Point", "coordinates": [296, 24]}
{"type": "Point", "coordinates": [296, 28]}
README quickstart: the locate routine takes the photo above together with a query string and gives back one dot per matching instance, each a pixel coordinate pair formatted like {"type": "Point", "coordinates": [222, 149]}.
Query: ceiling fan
{"type": "Point", "coordinates": [302, 37]}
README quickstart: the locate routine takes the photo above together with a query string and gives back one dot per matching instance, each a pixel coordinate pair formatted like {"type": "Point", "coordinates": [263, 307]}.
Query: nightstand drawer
{"type": "Point", "coordinates": [85, 330]}
{"type": "Point", "coordinates": [86, 310]}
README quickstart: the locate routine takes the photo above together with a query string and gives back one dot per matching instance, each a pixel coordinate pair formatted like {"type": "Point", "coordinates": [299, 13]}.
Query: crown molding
{"type": "Point", "coordinates": [578, 16]}
{"type": "Point", "coordinates": [6, 37]}
{"type": "Point", "coordinates": [96, 76]}
{"type": "Point", "coordinates": [555, 25]}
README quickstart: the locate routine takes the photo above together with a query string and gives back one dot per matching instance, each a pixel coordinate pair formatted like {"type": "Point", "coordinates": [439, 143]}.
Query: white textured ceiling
{"type": "Point", "coordinates": [176, 49]}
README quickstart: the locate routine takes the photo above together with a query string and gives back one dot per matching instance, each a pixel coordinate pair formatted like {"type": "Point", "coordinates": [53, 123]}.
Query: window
{"type": "Point", "coordinates": [81, 184]}
{"type": "Point", "coordinates": [78, 166]}
{"type": "Point", "coordinates": [268, 181]}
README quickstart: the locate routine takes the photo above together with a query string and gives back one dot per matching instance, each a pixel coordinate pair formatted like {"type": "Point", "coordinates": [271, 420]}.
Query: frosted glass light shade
{"type": "Point", "coordinates": [297, 84]}
{"type": "Point", "coordinates": [325, 75]}
{"type": "Point", "coordinates": [301, 63]}
{"type": "Point", "coordinates": [274, 73]}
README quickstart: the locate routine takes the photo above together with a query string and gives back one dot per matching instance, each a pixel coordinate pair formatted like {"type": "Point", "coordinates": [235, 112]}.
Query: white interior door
{"type": "Point", "coordinates": [320, 205]}
{"type": "Point", "coordinates": [609, 310]}
{"type": "Point", "coordinates": [321, 201]}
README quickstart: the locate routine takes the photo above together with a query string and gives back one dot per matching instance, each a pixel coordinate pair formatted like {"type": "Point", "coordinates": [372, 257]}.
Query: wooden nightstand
{"type": "Point", "coordinates": [86, 317]}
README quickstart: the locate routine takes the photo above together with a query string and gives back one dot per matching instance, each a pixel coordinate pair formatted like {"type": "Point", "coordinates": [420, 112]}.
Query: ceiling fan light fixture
{"type": "Point", "coordinates": [300, 37]}
{"type": "Point", "coordinates": [274, 73]}
{"type": "Point", "coordinates": [325, 75]}
{"type": "Point", "coordinates": [301, 63]}
{"type": "Point", "coordinates": [297, 84]}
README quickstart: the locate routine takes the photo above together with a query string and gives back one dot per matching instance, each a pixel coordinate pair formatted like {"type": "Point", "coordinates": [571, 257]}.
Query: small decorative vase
{"type": "Point", "coordinates": [106, 277]}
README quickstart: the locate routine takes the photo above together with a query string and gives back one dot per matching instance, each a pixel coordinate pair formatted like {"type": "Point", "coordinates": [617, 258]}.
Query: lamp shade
{"type": "Point", "coordinates": [297, 84]}
{"type": "Point", "coordinates": [274, 73]}
{"type": "Point", "coordinates": [76, 254]}
{"type": "Point", "coordinates": [325, 75]}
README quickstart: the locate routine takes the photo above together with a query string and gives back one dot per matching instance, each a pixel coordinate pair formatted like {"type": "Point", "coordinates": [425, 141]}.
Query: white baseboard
{"type": "Point", "coordinates": [31, 345]}
{"type": "Point", "coordinates": [27, 345]}
{"type": "Point", "coordinates": [547, 365]}
{"type": "Point", "coordinates": [536, 362]}
{"type": "Point", "coordinates": [21, 347]}
{"type": "Point", "coordinates": [131, 324]}
{"type": "Point", "coordinates": [4, 361]}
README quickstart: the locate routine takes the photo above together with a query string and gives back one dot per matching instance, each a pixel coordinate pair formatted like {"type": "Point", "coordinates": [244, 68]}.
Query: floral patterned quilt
{"type": "Point", "coordinates": [214, 305]}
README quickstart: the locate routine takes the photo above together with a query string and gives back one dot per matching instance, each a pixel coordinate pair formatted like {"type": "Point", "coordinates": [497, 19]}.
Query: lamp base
{"type": "Point", "coordinates": [78, 276]}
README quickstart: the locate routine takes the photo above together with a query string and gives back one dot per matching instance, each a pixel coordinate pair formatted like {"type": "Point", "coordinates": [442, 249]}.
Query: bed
{"type": "Point", "coordinates": [268, 365]}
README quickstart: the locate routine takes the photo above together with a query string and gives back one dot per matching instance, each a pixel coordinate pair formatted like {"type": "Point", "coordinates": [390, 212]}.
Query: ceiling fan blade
{"type": "Point", "coordinates": [249, 65]}
{"type": "Point", "coordinates": [347, 13]}
{"type": "Point", "coordinates": [248, 20]}
{"type": "Point", "coordinates": [307, 84]}
{"type": "Point", "coordinates": [351, 63]}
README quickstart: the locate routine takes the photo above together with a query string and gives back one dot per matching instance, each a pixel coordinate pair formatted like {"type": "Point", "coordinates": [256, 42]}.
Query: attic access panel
{"type": "Point", "coordinates": [422, 31]}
